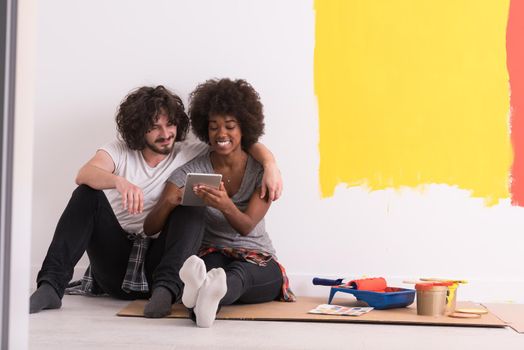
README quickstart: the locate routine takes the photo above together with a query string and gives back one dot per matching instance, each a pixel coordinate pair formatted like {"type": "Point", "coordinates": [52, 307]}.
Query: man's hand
{"type": "Point", "coordinates": [97, 173]}
{"type": "Point", "coordinates": [271, 182]}
{"type": "Point", "coordinates": [213, 197]}
{"type": "Point", "coordinates": [132, 196]}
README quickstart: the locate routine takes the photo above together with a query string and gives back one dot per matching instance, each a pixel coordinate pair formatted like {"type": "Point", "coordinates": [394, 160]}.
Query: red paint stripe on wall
{"type": "Point", "coordinates": [515, 62]}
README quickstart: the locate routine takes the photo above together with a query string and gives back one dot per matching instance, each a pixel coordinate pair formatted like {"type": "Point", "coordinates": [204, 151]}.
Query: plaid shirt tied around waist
{"type": "Point", "coordinates": [134, 281]}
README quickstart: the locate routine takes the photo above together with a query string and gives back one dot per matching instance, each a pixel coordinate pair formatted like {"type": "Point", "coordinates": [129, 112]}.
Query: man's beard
{"type": "Point", "coordinates": [160, 149]}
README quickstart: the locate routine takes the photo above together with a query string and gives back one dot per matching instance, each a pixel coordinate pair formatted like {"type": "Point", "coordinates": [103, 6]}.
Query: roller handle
{"type": "Point", "coordinates": [327, 282]}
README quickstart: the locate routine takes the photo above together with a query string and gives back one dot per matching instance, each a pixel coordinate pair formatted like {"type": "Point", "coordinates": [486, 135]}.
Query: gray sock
{"type": "Point", "coordinates": [160, 303]}
{"type": "Point", "coordinates": [45, 297]}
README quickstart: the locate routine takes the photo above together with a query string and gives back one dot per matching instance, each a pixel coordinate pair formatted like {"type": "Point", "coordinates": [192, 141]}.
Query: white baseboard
{"type": "Point", "coordinates": [501, 291]}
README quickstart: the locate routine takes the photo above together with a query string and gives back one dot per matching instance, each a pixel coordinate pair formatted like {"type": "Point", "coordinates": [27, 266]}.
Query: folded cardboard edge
{"type": "Point", "coordinates": [511, 314]}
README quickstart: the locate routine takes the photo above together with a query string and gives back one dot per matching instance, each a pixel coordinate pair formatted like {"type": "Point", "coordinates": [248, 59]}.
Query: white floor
{"type": "Point", "coordinates": [90, 323]}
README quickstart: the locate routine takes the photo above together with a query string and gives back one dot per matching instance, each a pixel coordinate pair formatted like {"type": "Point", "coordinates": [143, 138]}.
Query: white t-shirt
{"type": "Point", "coordinates": [131, 165]}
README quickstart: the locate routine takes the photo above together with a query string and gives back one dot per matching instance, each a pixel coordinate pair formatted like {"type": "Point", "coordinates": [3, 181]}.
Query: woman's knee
{"type": "Point", "coordinates": [215, 260]}
{"type": "Point", "coordinates": [186, 219]}
{"type": "Point", "coordinates": [188, 213]}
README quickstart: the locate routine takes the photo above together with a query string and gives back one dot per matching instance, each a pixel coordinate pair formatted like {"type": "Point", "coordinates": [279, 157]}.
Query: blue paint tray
{"type": "Point", "coordinates": [389, 299]}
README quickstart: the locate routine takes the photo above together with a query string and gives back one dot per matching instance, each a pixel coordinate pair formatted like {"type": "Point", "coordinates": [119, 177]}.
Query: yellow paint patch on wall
{"type": "Point", "coordinates": [413, 92]}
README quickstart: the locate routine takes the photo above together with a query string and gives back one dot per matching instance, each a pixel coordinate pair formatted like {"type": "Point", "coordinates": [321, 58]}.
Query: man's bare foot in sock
{"type": "Point", "coordinates": [45, 297]}
{"type": "Point", "coordinates": [209, 296]}
{"type": "Point", "coordinates": [193, 274]}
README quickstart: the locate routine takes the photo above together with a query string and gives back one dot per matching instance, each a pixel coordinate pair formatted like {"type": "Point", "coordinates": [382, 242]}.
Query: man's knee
{"type": "Point", "coordinates": [85, 191]}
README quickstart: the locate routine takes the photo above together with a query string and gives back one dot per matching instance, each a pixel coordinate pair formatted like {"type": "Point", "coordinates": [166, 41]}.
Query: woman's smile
{"type": "Point", "coordinates": [224, 133]}
{"type": "Point", "coordinates": [223, 143]}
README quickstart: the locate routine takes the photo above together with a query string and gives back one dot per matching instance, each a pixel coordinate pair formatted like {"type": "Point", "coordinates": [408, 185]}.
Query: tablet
{"type": "Point", "coordinates": [189, 198]}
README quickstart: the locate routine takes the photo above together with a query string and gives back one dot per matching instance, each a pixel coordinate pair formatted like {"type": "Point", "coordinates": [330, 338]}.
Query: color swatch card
{"type": "Point", "coordinates": [327, 309]}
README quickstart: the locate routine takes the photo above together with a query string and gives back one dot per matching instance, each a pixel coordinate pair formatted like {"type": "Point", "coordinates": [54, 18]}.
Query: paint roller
{"type": "Point", "coordinates": [375, 284]}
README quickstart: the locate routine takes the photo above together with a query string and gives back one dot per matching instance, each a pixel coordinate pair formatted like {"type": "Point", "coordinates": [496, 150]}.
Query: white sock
{"type": "Point", "coordinates": [193, 274]}
{"type": "Point", "coordinates": [210, 294]}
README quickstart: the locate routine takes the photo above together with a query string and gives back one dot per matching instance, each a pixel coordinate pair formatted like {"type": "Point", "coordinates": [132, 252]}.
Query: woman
{"type": "Point", "coordinates": [236, 249]}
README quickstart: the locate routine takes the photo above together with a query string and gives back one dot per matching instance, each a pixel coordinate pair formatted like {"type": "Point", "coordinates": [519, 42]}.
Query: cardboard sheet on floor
{"type": "Point", "coordinates": [513, 314]}
{"type": "Point", "coordinates": [298, 311]}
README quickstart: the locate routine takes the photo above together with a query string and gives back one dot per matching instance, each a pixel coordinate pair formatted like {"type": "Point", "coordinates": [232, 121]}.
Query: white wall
{"type": "Point", "coordinates": [22, 175]}
{"type": "Point", "coordinates": [90, 54]}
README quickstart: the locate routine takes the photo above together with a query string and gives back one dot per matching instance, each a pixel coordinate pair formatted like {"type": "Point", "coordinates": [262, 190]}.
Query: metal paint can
{"type": "Point", "coordinates": [432, 298]}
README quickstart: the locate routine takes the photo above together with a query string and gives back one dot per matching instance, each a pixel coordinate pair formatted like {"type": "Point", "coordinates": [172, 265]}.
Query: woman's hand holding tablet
{"type": "Point", "coordinates": [189, 198]}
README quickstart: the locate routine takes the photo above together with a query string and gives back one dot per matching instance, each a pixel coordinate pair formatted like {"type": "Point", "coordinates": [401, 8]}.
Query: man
{"type": "Point", "coordinates": [117, 189]}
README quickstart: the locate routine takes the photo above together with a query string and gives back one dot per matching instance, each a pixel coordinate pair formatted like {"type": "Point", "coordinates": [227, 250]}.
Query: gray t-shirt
{"type": "Point", "coordinates": [219, 233]}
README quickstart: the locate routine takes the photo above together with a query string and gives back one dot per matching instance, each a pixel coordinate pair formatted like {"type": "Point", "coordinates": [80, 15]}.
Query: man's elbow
{"type": "Point", "coordinates": [81, 178]}
{"type": "Point", "coordinates": [78, 179]}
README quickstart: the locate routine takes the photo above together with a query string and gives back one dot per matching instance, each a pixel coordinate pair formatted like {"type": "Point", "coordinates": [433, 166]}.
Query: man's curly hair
{"type": "Point", "coordinates": [227, 97]}
{"type": "Point", "coordinates": [141, 109]}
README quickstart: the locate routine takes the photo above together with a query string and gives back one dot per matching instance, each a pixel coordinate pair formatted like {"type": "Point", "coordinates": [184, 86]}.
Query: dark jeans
{"type": "Point", "coordinates": [89, 224]}
{"type": "Point", "coordinates": [247, 283]}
